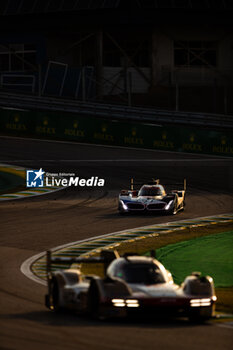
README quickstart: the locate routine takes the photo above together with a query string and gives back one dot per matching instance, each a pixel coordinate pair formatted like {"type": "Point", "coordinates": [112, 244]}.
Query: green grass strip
{"type": "Point", "coordinates": [211, 255]}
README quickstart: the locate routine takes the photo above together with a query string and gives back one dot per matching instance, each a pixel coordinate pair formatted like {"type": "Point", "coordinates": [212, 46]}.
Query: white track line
{"type": "Point", "coordinates": [228, 325]}
{"type": "Point", "coordinates": [25, 268]}
{"type": "Point", "coordinates": [111, 146]}
{"type": "Point", "coordinates": [21, 194]}
{"type": "Point", "coordinates": [122, 160]}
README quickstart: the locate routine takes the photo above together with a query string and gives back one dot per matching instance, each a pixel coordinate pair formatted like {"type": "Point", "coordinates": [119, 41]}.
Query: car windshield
{"type": "Point", "coordinates": [141, 273]}
{"type": "Point", "coordinates": [150, 191]}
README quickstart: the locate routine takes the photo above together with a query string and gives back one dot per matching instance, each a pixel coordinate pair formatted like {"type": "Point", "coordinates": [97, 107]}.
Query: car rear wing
{"type": "Point", "coordinates": [151, 182]}
{"type": "Point", "coordinates": [183, 184]}
{"type": "Point", "coordinates": [106, 257]}
{"type": "Point", "coordinates": [156, 182]}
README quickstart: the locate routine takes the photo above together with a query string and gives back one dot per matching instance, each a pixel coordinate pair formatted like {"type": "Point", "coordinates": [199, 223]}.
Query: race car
{"type": "Point", "coordinates": [151, 198]}
{"type": "Point", "coordinates": [132, 285]}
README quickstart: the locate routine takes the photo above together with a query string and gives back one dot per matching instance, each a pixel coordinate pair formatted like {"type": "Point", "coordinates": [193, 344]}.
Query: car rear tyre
{"type": "Point", "coordinates": [94, 301]}
{"type": "Point", "coordinates": [55, 296]}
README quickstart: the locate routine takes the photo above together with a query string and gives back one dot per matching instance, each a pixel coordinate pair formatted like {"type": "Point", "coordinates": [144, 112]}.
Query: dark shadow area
{"type": "Point", "coordinates": [72, 319]}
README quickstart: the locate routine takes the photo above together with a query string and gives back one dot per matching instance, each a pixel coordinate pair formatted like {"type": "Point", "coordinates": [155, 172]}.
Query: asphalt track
{"type": "Point", "coordinates": [30, 226]}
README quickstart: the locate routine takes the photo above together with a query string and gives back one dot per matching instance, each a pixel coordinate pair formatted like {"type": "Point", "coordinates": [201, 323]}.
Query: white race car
{"type": "Point", "coordinates": [133, 285]}
{"type": "Point", "coordinates": [151, 198]}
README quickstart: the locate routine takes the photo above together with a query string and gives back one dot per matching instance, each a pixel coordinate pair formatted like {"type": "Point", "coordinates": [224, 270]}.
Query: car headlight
{"type": "Point", "coordinates": [127, 302]}
{"type": "Point", "coordinates": [124, 206]}
{"type": "Point", "coordinates": [200, 302]}
{"type": "Point", "coordinates": [168, 205]}
{"type": "Point", "coordinates": [132, 303]}
{"type": "Point", "coordinates": [118, 302]}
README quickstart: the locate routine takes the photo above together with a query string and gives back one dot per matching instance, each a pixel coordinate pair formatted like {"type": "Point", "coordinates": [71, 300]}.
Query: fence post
{"type": "Point", "coordinates": [129, 83]}
{"type": "Point", "coordinates": [225, 99]}
{"type": "Point", "coordinates": [39, 80]}
{"type": "Point", "coordinates": [177, 96]}
{"type": "Point", "coordinates": [83, 84]}
{"type": "Point", "coordinates": [99, 63]}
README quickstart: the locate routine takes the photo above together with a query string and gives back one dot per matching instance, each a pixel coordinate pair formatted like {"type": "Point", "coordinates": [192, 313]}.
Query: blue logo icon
{"type": "Point", "coordinates": [35, 178]}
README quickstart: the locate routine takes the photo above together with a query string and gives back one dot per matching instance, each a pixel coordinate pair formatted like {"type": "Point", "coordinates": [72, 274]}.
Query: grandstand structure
{"type": "Point", "coordinates": [171, 54]}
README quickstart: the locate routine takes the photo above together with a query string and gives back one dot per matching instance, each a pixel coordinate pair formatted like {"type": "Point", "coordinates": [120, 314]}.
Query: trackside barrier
{"type": "Point", "coordinates": [75, 127]}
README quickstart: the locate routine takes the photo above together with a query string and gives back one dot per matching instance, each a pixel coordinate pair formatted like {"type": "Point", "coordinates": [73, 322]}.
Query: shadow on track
{"type": "Point", "coordinates": [71, 319]}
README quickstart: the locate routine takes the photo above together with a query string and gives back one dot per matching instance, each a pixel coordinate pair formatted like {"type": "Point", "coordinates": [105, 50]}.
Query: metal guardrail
{"type": "Point", "coordinates": [126, 113]}
{"type": "Point", "coordinates": [18, 80]}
